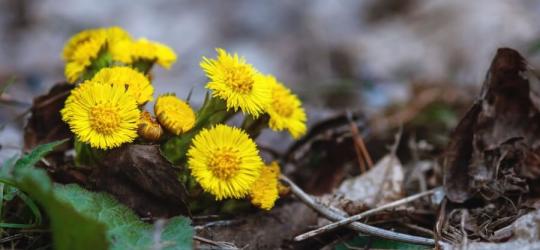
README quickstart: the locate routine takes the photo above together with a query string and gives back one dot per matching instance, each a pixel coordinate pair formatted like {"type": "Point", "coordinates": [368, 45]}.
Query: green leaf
{"type": "Point", "coordinates": [81, 219]}
{"type": "Point", "coordinates": [37, 153]}
{"type": "Point", "coordinates": [70, 229]}
{"type": "Point", "coordinates": [8, 191]}
{"type": "Point", "coordinates": [125, 229]}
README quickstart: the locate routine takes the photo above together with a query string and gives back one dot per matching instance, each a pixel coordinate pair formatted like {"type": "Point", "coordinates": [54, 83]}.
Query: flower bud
{"type": "Point", "coordinates": [149, 128]}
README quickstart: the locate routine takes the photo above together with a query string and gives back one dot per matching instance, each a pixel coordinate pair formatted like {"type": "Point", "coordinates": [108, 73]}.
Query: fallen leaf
{"type": "Point", "coordinates": [492, 163]}
{"type": "Point", "coordinates": [45, 123]}
{"type": "Point", "coordinates": [380, 185]}
{"type": "Point", "coordinates": [500, 131]}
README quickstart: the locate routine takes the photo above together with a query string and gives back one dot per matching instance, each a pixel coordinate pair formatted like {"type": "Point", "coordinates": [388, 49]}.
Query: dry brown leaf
{"type": "Point", "coordinates": [45, 123]}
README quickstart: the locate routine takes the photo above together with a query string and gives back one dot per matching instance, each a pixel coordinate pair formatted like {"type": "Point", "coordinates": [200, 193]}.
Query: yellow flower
{"type": "Point", "coordinates": [116, 34]}
{"type": "Point", "coordinates": [174, 114]}
{"type": "Point", "coordinates": [264, 191]}
{"type": "Point", "coordinates": [102, 115]}
{"type": "Point", "coordinates": [149, 128]}
{"type": "Point", "coordinates": [225, 161]}
{"type": "Point", "coordinates": [285, 110]}
{"type": "Point", "coordinates": [118, 41]}
{"type": "Point", "coordinates": [121, 51]}
{"type": "Point", "coordinates": [81, 57]}
{"type": "Point", "coordinates": [112, 35]}
{"type": "Point", "coordinates": [144, 49]}
{"type": "Point", "coordinates": [237, 82]}
{"type": "Point", "coordinates": [84, 47]}
{"type": "Point", "coordinates": [135, 82]}
{"type": "Point", "coordinates": [75, 41]}
{"type": "Point", "coordinates": [73, 71]}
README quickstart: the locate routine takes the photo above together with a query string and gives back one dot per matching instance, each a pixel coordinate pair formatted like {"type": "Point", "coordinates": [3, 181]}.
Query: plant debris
{"type": "Point", "coordinates": [45, 123]}
{"type": "Point", "coordinates": [492, 161]}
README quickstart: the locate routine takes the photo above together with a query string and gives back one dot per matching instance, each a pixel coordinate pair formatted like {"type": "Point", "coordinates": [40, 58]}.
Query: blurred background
{"type": "Point", "coordinates": [337, 55]}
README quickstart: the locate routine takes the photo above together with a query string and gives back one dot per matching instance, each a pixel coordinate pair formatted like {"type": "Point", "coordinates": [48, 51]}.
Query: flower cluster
{"type": "Point", "coordinates": [107, 108]}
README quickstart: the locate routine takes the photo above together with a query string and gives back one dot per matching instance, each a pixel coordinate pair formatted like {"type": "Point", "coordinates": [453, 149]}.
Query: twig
{"type": "Point", "coordinates": [220, 244]}
{"type": "Point", "coordinates": [359, 142]}
{"type": "Point", "coordinates": [364, 214]}
{"type": "Point", "coordinates": [359, 146]}
{"type": "Point", "coordinates": [363, 228]}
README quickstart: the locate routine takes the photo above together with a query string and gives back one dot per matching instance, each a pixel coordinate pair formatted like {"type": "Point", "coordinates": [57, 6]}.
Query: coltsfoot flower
{"type": "Point", "coordinates": [149, 128]}
{"type": "Point", "coordinates": [225, 161]}
{"type": "Point", "coordinates": [236, 82]}
{"type": "Point", "coordinates": [174, 114]}
{"type": "Point", "coordinates": [135, 82]}
{"type": "Point", "coordinates": [264, 191]}
{"type": "Point", "coordinates": [144, 49]}
{"type": "Point", "coordinates": [102, 115]}
{"type": "Point", "coordinates": [82, 56]}
{"type": "Point", "coordinates": [86, 46]}
{"type": "Point", "coordinates": [285, 110]}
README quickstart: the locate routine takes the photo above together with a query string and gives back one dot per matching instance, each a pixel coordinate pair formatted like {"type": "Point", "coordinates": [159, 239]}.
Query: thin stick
{"type": "Point", "coordinates": [369, 161]}
{"type": "Point", "coordinates": [360, 227]}
{"type": "Point", "coordinates": [359, 146]}
{"type": "Point", "coordinates": [364, 214]}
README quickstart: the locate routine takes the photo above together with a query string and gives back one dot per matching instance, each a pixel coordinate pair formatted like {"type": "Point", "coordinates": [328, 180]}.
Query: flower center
{"type": "Point", "coordinates": [224, 163]}
{"type": "Point", "coordinates": [240, 79]}
{"type": "Point", "coordinates": [104, 120]}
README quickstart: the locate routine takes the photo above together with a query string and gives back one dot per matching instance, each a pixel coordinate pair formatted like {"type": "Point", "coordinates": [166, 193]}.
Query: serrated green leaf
{"type": "Point", "coordinates": [125, 229]}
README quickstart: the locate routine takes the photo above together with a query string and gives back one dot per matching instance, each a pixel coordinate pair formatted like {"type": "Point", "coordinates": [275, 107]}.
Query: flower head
{"type": "Point", "coordinates": [264, 191]}
{"type": "Point", "coordinates": [111, 35]}
{"type": "Point", "coordinates": [285, 110]}
{"type": "Point", "coordinates": [102, 115]}
{"type": "Point", "coordinates": [225, 161]}
{"type": "Point", "coordinates": [80, 39]}
{"type": "Point", "coordinates": [144, 49]}
{"type": "Point", "coordinates": [174, 114]}
{"type": "Point", "coordinates": [149, 128]}
{"type": "Point", "coordinates": [118, 41]}
{"type": "Point", "coordinates": [135, 82]}
{"type": "Point", "coordinates": [237, 82]}
{"type": "Point", "coordinates": [86, 46]}
{"type": "Point", "coordinates": [82, 55]}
